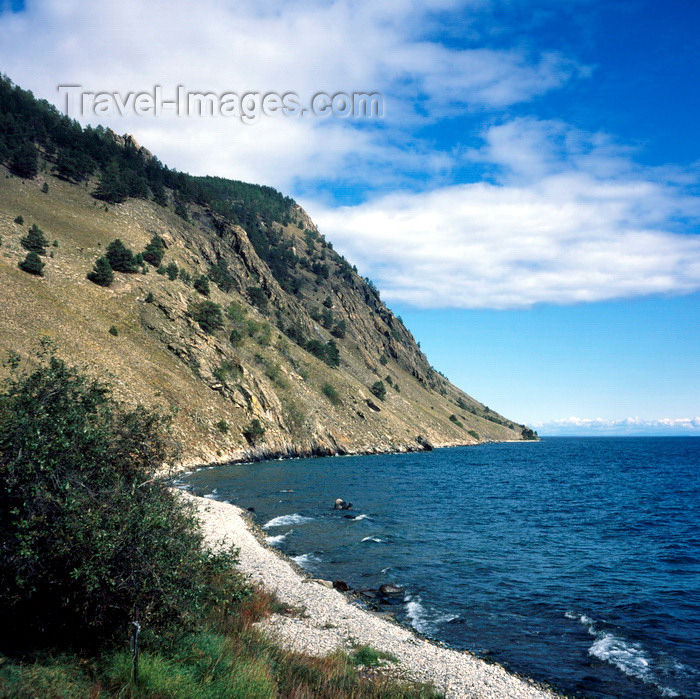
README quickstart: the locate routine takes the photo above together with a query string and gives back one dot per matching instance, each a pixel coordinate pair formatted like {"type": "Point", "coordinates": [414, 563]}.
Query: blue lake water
{"type": "Point", "coordinates": [574, 561]}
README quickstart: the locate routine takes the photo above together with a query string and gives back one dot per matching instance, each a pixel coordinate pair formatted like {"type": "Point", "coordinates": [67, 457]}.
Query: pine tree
{"type": "Point", "coordinates": [35, 241]}
{"type": "Point", "coordinates": [121, 258]}
{"type": "Point", "coordinates": [111, 188]}
{"type": "Point", "coordinates": [154, 251]}
{"type": "Point", "coordinates": [32, 264]}
{"type": "Point", "coordinates": [102, 273]}
{"type": "Point", "coordinates": [24, 160]}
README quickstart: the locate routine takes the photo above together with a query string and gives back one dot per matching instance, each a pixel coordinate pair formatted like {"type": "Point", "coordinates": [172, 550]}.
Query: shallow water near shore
{"type": "Point", "coordinates": [574, 561]}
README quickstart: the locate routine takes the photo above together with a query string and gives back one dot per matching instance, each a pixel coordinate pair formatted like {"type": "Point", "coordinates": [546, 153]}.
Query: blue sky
{"type": "Point", "coordinates": [528, 203]}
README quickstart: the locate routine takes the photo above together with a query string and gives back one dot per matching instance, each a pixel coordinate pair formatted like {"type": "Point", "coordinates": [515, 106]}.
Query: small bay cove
{"type": "Point", "coordinates": [573, 561]}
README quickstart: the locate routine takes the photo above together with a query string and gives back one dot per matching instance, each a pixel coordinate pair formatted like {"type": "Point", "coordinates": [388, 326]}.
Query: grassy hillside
{"type": "Point", "coordinates": [304, 359]}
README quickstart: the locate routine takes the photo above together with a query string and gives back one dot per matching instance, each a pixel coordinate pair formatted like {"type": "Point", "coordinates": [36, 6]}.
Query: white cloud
{"type": "Point", "coordinates": [568, 220]}
{"type": "Point", "coordinates": [625, 426]}
{"type": "Point", "coordinates": [302, 47]}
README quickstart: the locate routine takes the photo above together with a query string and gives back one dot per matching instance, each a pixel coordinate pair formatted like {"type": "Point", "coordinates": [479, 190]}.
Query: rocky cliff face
{"type": "Point", "coordinates": [307, 359]}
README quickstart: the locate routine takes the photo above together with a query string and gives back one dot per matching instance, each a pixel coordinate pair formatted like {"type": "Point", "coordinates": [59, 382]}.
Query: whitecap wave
{"type": "Point", "coordinates": [213, 494]}
{"type": "Point", "coordinates": [375, 539]}
{"type": "Point", "coordinates": [627, 656]}
{"type": "Point", "coordinates": [275, 540]}
{"type": "Point", "coordinates": [415, 611]}
{"type": "Point", "coordinates": [306, 560]}
{"type": "Point", "coordinates": [286, 520]}
{"type": "Point", "coordinates": [359, 517]}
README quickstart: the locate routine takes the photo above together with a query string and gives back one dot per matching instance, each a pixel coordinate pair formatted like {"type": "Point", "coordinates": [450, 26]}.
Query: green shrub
{"type": "Point", "coordinates": [529, 434]}
{"type": "Point", "coordinates": [87, 535]}
{"type": "Point", "coordinates": [222, 426]}
{"type": "Point", "coordinates": [201, 284]}
{"type": "Point", "coordinates": [254, 432]}
{"type": "Point", "coordinates": [209, 316]}
{"type": "Point", "coordinates": [456, 420]}
{"type": "Point", "coordinates": [19, 220]}
{"type": "Point", "coordinates": [473, 433]}
{"type": "Point", "coordinates": [113, 330]}
{"type": "Point", "coordinates": [228, 369]}
{"type": "Point", "coordinates": [32, 264]}
{"type": "Point", "coordinates": [236, 312]}
{"type": "Point", "coordinates": [327, 353]}
{"type": "Point", "coordinates": [378, 389]}
{"type": "Point", "coordinates": [339, 330]}
{"type": "Point", "coordinates": [257, 298]}
{"type": "Point", "coordinates": [370, 657]}
{"type": "Point", "coordinates": [45, 188]}
{"type": "Point", "coordinates": [331, 393]}
{"type": "Point", "coordinates": [102, 273]}
{"type": "Point", "coordinates": [220, 275]}
{"type": "Point", "coordinates": [150, 298]}
{"type": "Point", "coordinates": [171, 271]}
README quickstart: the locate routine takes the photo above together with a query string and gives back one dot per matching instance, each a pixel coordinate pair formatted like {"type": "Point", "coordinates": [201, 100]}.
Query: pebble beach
{"type": "Point", "coordinates": [333, 620]}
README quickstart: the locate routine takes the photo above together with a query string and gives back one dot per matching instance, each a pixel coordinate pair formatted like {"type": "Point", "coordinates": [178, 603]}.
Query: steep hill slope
{"type": "Point", "coordinates": [304, 359]}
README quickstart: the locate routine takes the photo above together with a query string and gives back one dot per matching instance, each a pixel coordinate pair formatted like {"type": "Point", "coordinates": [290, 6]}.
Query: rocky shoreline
{"type": "Point", "coordinates": [332, 620]}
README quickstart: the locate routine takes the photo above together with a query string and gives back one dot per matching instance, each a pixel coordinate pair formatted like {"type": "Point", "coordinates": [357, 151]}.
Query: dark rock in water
{"type": "Point", "coordinates": [251, 509]}
{"type": "Point", "coordinates": [348, 516]}
{"type": "Point", "coordinates": [390, 590]}
{"type": "Point", "coordinates": [341, 585]}
{"type": "Point", "coordinates": [368, 594]}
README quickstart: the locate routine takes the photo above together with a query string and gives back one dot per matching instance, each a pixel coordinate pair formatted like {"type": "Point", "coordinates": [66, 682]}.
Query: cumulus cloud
{"type": "Point", "coordinates": [302, 47]}
{"type": "Point", "coordinates": [566, 219]}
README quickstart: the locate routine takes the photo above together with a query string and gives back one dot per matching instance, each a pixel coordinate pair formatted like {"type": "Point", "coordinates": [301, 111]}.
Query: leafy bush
{"type": "Point", "coordinates": [19, 220]}
{"type": "Point", "coordinates": [527, 433]}
{"type": "Point", "coordinates": [102, 273]}
{"type": "Point", "coordinates": [339, 329]}
{"type": "Point", "coordinates": [228, 369]}
{"type": "Point", "coordinates": [473, 433]}
{"type": "Point", "coordinates": [222, 426]}
{"type": "Point", "coordinates": [254, 432]}
{"type": "Point", "coordinates": [327, 353]}
{"type": "Point", "coordinates": [209, 316]}
{"type": "Point", "coordinates": [87, 535]}
{"type": "Point", "coordinates": [331, 393]}
{"type": "Point", "coordinates": [378, 389]}
{"type": "Point", "coordinates": [220, 275]}
{"type": "Point", "coordinates": [113, 330]}
{"type": "Point", "coordinates": [201, 284]}
{"type": "Point", "coordinates": [32, 264]}
{"type": "Point", "coordinates": [257, 298]}
{"type": "Point", "coordinates": [456, 420]}
{"type": "Point", "coordinates": [370, 657]}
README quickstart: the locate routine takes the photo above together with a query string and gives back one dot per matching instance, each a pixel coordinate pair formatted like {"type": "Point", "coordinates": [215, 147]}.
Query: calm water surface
{"type": "Point", "coordinates": [573, 560]}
